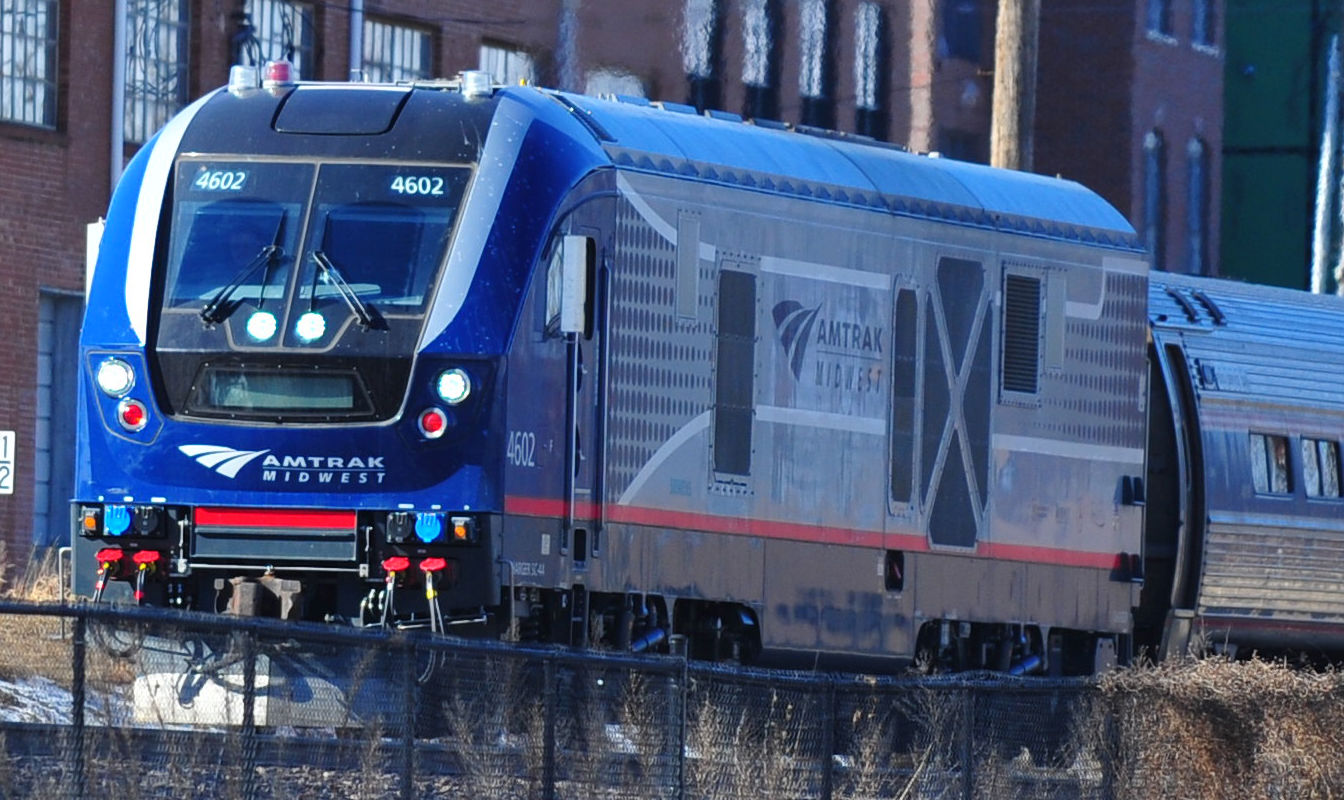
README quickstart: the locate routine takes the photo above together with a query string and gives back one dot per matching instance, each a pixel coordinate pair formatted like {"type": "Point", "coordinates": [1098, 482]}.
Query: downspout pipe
{"type": "Point", "coordinates": [356, 40]}
{"type": "Point", "coordinates": [117, 151]}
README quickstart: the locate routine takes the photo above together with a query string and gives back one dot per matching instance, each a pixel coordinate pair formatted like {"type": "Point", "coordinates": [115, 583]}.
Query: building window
{"type": "Point", "coordinates": [961, 30]}
{"type": "Point", "coordinates": [156, 64]}
{"type": "Point", "coordinates": [870, 55]}
{"type": "Point", "coordinates": [508, 65]}
{"type": "Point", "coordinates": [395, 53]}
{"type": "Point", "coordinates": [700, 53]}
{"type": "Point", "coordinates": [280, 30]}
{"type": "Point", "coordinates": [814, 79]}
{"type": "Point", "coordinates": [760, 58]}
{"type": "Point", "coordinates": [28, 62]}
{"type": "Point", "coordinates": [1320, 467]}
{"type": "Point", "coordinates": [1269, 464]}
{"type": "Point", "coordinates": [1201, 23]}
{"type": "Point", "coordinates": [613, 83]}
{"type": "Point", "coordinates": [1197, 207]}
{"type": "Point", "coordinates": [1159, 17]}
{"type": "Point", "coordinates": [1155, 197]}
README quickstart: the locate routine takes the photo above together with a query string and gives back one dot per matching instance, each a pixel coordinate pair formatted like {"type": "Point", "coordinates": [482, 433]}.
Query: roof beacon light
{"type": "Point", "coordinates": [477, 83]}
{"type": "Point", "coordinates": [277, 73]}
{"type": "Point", "coordinates": [242, 77]}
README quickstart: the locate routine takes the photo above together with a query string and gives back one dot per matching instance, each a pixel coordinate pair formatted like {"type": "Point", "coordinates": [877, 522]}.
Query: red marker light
{"type": "Point", "coordinates": [132, 415]}
{"type": "Point", "coordinates": [433, 422]}
{"type": "Point", "coordinates": [278, 73]}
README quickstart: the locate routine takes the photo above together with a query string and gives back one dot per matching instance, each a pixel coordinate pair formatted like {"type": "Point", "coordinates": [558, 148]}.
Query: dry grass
{"type": "Point", "coordinates": [1214, 729]}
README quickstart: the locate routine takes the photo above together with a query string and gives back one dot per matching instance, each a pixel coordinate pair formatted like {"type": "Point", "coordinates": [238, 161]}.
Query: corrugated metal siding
{"type": "Point", "coordinates": [1260, 570]}
{"type": "Point", "coordinates": [1274, 345]}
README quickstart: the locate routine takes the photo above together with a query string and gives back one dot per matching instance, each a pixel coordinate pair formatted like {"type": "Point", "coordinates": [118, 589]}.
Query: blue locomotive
{"type": "Point", "coordinates": [514, 362]}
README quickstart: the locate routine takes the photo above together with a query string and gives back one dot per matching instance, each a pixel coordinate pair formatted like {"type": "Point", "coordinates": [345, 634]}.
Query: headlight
{"type": "Point", "coordinates": [453, 385]}
{"type": "Point", "coordinates": [115, 377]}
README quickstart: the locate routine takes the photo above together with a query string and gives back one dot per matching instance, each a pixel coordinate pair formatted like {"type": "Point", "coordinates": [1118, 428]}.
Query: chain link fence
{"type": "Point", "coordinates": [100, 701]}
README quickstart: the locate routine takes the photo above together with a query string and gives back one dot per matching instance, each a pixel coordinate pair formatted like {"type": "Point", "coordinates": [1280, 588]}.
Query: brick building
{"type": "Point", "coordinates": [915, 73]}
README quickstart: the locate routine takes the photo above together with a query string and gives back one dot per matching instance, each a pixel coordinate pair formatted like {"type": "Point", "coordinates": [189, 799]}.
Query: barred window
{"type": "Point", "coordinates": [28, 61]}
{"type": "Point", "coordinates": [1159, 17]}
{"type": "Point", "coordinates": [1155, 197]}
{"type": "Point", "coordinates": [869, 70]}
{"type": "Point", "coordinates": [760, 57]}
{"type": "Point", "coordinates": [814, 73]}
{"type": "Point", "coordinates": [395, 53]}
{"type": "Point", "coordinates": [507, 65]}
{"type": "Point", "coordinates": [156, 64]}
{"type": "Point", "coordinates": [284, 29]}
{"type": "Point", "coordinates": [1202, 23]}
{"type": "Point", "coordinates": [700, 52]}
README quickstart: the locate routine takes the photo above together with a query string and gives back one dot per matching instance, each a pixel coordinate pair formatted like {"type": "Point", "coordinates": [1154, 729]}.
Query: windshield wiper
{"type": "Point", "coordinates": [219, 308]}
{"type": "Point", "coordinates": [366, 314]}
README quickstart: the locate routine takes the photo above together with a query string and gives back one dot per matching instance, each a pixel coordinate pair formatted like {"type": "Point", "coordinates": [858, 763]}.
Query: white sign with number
{"type": "Point", "coordinates": [6, 462]}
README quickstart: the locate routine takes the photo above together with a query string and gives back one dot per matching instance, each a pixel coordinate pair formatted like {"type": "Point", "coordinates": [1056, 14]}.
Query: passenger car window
{"type": "Point", "coordinates": [1320, 467]}
{"type": "Point", "coordinates": [1269, 464]}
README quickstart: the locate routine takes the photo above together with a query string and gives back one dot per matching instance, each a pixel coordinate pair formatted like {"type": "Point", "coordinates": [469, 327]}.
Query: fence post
{"type": "Point", "coordinates": [829, 717]}
{"type": "Point", "coordinates": [249, 765]}
{"type": "Point", "coordinates": [78, 654]}
{"type": "Point", "coordinates": [685, 698]}
{"type": "Point", "coordinates": [548, 746]}
{"type": "Point", "coordinates": [408, 679]}
{"type": "Point", "coordinates": [967, 742]}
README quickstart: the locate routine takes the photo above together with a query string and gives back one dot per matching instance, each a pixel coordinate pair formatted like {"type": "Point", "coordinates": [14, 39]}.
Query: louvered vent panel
{"type": "Point", "coordinates": [1021, 333]}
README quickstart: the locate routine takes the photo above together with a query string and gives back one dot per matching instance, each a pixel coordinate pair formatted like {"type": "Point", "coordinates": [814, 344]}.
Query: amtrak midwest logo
{"type": "Point", "coordinates": [847, 353]}
{"type": "Point", "coordinates": [319, 470]}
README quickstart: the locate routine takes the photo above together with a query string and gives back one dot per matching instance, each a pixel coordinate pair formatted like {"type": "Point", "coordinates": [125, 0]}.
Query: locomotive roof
{"type": "Point", "coordinates": [672, 138]}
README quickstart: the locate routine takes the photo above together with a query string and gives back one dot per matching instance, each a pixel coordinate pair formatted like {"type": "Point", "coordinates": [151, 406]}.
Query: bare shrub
{"type": "Point", "coordinates": [498, 735]}
{"type": "Point", "coordinates": [1214, 729]}
{"type": "Point", "coordinates": [738, 745]}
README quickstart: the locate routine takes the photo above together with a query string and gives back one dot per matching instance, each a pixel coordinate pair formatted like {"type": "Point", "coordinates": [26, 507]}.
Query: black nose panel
{"type": "Point", "coordinates": [350, 112]}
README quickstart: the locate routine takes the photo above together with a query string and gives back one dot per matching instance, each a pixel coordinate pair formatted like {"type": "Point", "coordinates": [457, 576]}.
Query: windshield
{"type": "Point", "coordinates": [285, 254]}
{"type": "Point", "coordinates": [226, 214]}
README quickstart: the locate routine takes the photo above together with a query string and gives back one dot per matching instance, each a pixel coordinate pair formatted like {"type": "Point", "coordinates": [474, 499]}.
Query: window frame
{"type": "Point", "coordinates": [870, 69]}
{"type": "Point", "coordinates": [42, 110]}
{"type": "Point", "coordinates": [515, 63]}
{"type": "Point", "coordinates": [390, 34]}
{"type": "Point", "coordinates": [1159, 19]}
{"type": "Point", "coordinates": [145, 113]}
{"type": "Point", "coordinates": [271, 41]}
